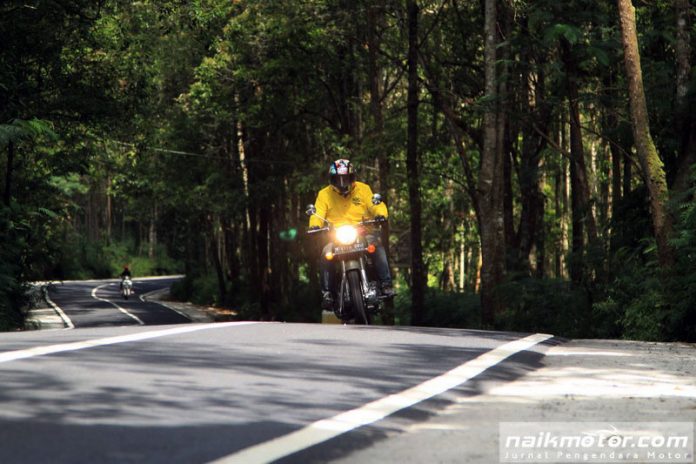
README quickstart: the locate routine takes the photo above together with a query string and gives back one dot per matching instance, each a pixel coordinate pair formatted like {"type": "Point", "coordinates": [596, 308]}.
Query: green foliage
{"type": "Point", "coordinates": [442, 309]}
{"type": "Point", "coordinates": [19, 130]}
{"type": "Point", "coordinates": [545, 305]}
{"type": "Point", "coordinates": [681, 289]}
{"type": "Point", "coordinates": [634, 305]}
{"type": "Point", "coordinates": [78, 258]}
{"type": "Point", "coordinates": [146, 109]}
{"type": "Point", "coordinates": [203, 290]}
{"type": "Point", "coordinates": [12, 288]}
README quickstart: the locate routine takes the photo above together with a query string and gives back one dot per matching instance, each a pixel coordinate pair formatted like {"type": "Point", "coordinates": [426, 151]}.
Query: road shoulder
{"type": "Point", "coordinates": [582, 380]}
{"type": "Point", "coordinates": [195, 313]}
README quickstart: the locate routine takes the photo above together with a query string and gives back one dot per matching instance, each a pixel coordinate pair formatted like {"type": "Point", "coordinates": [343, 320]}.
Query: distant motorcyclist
{"type": "Point", "coordinates": [125, 274]}
{"type": "Point", "coordinates": [346, 201]}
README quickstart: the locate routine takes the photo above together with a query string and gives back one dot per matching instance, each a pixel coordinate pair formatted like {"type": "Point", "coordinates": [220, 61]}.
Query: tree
{"type": "Point", "coordinates": [418, 276]}
{"type": "Point", "coordinates": [685, 123]}
{"type": "Point", "coordinates": [651, 164]}
{"type": "Point", "coordinates": [490, 181]}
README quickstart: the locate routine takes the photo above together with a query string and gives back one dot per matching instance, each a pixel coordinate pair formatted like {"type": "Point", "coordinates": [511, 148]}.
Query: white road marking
{"type": "Point", "coordinates": [144, 299]}
{"type": "Point", "coordinates": [51, 349]}
{"type": "Point", "coordinates": [326, 429]}
{"type": "Point", "coordinates": [94, 295]}
{"type": "Point", "coordinates": [66, 320]}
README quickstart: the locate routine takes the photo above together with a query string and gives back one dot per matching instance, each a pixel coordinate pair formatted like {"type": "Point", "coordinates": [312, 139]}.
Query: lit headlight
{"type": "Point", "coordinates": [346, 235]}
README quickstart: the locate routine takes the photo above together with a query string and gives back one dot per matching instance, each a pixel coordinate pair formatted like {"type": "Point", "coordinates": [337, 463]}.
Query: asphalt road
{"type": "Point", "coordinates": [99, 303]}
{"type": "Point", "coordinates": [199, 393]}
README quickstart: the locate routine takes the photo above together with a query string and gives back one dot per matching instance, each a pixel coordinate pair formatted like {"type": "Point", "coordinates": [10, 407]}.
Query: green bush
{"type": "Point", "coordinates": [12, 288]}
{"type": "Point", "coordinates": [442, 309]}
{"type": "Point", "coordinates": [201, 290]}
{"type": "Point", "coordinates": [545, 305]}
{"type": "Point", "coordinates": [680, 320]}
{"type": "Point", "coordinates": [633, 305]}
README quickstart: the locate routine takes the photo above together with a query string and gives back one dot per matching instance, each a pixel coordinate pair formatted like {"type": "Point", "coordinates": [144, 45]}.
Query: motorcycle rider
{"type": "Point", "coordinates": [347, 201]}
{"type": "Point", "coordinates": [125, 274]}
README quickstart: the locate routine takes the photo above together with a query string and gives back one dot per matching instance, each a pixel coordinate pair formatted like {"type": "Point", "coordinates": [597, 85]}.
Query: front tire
{"type": "Point", "coordinates": [356, 297]}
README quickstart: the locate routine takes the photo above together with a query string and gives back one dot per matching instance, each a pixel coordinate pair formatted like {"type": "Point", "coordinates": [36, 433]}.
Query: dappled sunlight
{"type": "Point", "coordinates": [586, 374]}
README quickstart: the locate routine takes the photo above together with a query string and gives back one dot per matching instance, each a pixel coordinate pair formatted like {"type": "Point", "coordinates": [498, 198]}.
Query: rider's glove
{"type": "Point", "coordinates": [380, 218]}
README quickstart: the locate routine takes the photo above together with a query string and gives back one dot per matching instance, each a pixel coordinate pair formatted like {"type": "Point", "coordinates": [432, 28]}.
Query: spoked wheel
{"type": "Point", "coordinates": [356, 297]}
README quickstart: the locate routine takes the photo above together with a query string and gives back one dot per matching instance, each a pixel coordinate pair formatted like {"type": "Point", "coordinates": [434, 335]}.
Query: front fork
{"type": "Point", "coordinates": [344, 283]}
{"type": "Point", "coordinates": [364, 282]}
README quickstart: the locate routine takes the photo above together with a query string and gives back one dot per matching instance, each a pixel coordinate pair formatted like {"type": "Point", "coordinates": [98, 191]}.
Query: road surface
{"type": "Point", "coordinates": [224, 392]}
{"type": "Point", "coordinates": [99, 303]}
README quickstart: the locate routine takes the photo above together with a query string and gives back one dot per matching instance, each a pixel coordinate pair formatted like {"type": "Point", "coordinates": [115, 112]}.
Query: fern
{"type": "Point", "coordinates": [19, 130]}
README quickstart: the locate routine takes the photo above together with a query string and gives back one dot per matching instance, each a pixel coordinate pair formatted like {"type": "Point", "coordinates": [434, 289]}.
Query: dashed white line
{"type": "Point", "coordinates": [44, 350]}
{"type": "Point", "coordinates": [133, 316]}
{"type": "Point", "coordinates": [326, 429]}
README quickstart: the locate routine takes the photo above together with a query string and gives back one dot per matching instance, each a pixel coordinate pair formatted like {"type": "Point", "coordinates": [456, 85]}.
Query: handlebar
{"type": "Point", "coordinates": [316, 231]}
{"type": "Point", "coordinates": [362, 223]}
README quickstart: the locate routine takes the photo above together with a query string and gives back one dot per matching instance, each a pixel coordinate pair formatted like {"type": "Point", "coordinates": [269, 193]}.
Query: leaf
{"type": "Point", "coordinates": [20, 129]}
{"type": "Point", "coordinates": [48, 213]}
{"type": "Point", "coordinates": [599, 54]}
{"type": "Point", "coordinates": [571, 33]}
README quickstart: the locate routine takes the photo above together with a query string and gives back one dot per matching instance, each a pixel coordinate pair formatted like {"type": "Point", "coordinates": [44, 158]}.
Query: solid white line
{"type": "Point", "coordinates": [144, 299]}
{"type": "Point", "coordinates": [94, 295]}
{"type": "Point", "coordinates": [66, 320]}
{"type": "Point", "coordinates": [44, 350]}
{"type": "Point", "coordinates": [326, 429]}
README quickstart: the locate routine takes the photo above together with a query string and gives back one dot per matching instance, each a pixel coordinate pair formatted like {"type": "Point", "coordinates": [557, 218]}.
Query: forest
{"type": "Point", "coordinates": [536, 157]}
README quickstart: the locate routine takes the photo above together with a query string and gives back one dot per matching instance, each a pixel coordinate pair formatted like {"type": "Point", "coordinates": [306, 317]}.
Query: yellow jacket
{"type": "Point", "coordinates": [352, 209]}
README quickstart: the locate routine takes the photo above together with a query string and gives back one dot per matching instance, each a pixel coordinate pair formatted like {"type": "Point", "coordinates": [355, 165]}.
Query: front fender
{"type": "Point", "coordinates": [351, 264]}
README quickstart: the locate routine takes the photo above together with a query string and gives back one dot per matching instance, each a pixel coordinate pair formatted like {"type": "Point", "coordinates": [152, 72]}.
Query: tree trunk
{"type": "Point", "coordinates": [651, 164]}
{"type": "Point", "coordinates": [7, 196]}
{"type": "Point", "coordinates": [418, 277]}
{"type": "Point", "coordinates": [490, 183]}
{"type": "Point", "coordinates": [217, 262]}
{"type": "Point", "coordinates": [627, 174]}
{"type": "Point", "coordinates": [582, 215]}
{"type": "Point", "coordinates": [375, 18]}
{"type": "Point", "coordinates": [152, 234]}
{"type": "Point", "coordinates": [263, 282]}
{"type": "Point", "coordinates": [685, 124]}
{"type": "Point", "coordinates": [532, 213]}
{"type": "Point", "coordinates": [683, 51]}
{"type": "Point", "coordinates": [462, 265]}
{"type": "Point", "coordinates": [375, 15]}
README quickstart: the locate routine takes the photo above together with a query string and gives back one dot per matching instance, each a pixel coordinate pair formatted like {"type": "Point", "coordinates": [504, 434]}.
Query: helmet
{"type": "Point", "coordinates": [342, 176]}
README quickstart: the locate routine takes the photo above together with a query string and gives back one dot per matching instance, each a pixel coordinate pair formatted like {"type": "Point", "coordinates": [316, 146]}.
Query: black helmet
{"type": "Point", "coordinates": [342, 176]}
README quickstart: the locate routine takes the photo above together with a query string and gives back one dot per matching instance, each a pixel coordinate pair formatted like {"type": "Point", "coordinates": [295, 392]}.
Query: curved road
{"type": "Point", "coordinates": [232, 392]}
{"type": "Point", "coordinates": [99, 303]}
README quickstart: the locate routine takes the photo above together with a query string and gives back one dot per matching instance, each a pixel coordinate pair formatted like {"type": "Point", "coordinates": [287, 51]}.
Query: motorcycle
{"type": "Point", "coordinates": [358, 297]}
{"type": "Point", "coordinates": [126, 287]}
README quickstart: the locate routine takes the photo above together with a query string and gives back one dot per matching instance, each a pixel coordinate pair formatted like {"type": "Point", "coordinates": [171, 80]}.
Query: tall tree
{"type": "Point", "coordinates": [685, 124]}
{"type": "Point", "coordinates": [583, 216]}
{"type": "Point", "coordinates": [418, 276]}
{"type": "Point", "coordinates": [651, 164]}
{"type": "Point", "coordinates": [490, 181]}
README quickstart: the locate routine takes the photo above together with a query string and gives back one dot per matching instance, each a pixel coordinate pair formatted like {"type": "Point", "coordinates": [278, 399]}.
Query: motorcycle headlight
{"type": "Point", "coordinates": [346, 235]}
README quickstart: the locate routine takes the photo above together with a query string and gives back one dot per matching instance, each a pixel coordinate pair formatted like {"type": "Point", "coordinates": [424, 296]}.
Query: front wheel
{"type": "Point", "coordinates": [356, 297]}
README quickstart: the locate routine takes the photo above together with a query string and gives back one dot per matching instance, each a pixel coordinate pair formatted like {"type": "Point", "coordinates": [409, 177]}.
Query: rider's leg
{"type": "Point", "coordinates": [379, 258]}
{"type": "Point", "coordinates": [327, 277]}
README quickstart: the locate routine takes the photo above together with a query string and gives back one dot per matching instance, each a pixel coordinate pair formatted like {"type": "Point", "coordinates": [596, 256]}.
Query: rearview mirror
{"type": "Point", "coordinates": [311, 210]}
{"type": "Point", "coordinates": [376, 199]}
